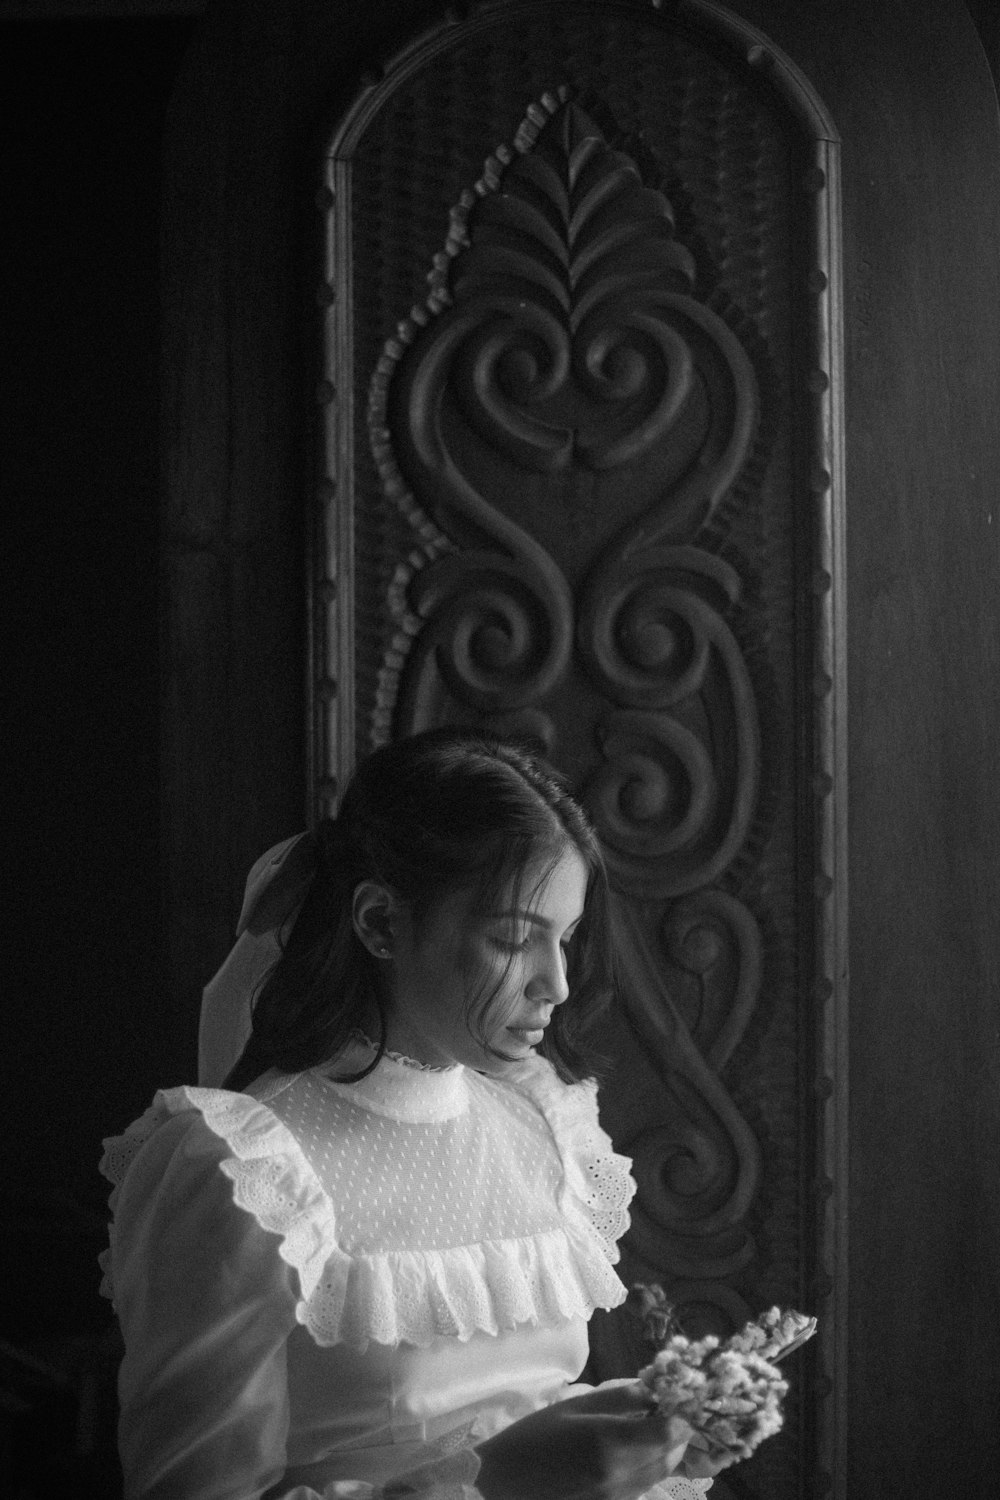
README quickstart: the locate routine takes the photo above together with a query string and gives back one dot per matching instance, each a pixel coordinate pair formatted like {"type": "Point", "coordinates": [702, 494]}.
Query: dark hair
{"type": "Point", "coordinates": [427, 816]}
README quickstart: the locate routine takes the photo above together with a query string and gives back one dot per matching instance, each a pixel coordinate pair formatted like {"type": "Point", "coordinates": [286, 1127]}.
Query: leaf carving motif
{"type": "Point", "coordinates": [576, 262]}
{"type": "Point", "coordinates": [574, 335]}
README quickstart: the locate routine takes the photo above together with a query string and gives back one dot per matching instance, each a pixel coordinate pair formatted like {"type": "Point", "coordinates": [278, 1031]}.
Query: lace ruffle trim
{"type": "Point", "coordinates": [271, 1179]}
{"type": "Point", "coordinates": [678, 1489]}
{"type": "Point", "coordinates": [597, 1181]}
{"type": "Point", "coordinates": [401, 1296]}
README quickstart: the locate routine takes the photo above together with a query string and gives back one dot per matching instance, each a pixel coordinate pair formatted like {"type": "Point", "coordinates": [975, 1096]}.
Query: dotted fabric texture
{"type": "Point", "coordinates": [489, 1173]}
{"type": "Point", "coordinates": [418, 1204]}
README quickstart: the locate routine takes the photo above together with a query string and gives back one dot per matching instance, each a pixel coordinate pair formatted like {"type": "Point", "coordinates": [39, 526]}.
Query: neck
{"type": "Point", "coordinates": [409, 1059]}
{"type": "Point", "coordinates": [400, 1087]}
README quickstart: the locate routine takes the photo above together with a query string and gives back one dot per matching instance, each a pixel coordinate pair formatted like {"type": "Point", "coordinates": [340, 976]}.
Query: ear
{"type": "Point", "coordinates": [375, 912]}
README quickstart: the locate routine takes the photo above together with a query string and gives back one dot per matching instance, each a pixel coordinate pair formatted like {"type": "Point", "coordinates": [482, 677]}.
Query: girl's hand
{"type": "Point", "coordinates": [609, 1444]}
{"type": "Point", "coordinates": [703, 1459]}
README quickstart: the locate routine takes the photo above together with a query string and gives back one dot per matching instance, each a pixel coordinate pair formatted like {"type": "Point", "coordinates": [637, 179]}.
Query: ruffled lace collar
{"type": "Point", "coordinates": [561, 1271]}
{"type": "Point", "coordinates": [399, 1088]}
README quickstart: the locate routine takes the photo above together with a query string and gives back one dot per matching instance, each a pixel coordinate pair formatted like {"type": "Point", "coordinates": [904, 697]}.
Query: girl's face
{"type": "Point", "coordinates": [516, 955]}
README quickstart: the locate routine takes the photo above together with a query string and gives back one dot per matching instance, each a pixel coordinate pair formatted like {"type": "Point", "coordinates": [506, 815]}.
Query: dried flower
{"type": "Point", "coordinates": [658, 1320]}
{"type": "Point", "coordinates": [729, 1393]}
{"type": "Point", "coordinates": [774, 1334]}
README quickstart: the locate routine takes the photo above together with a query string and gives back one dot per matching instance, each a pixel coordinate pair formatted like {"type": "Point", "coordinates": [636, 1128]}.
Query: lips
{"type": "Point", "coordinates": [531, 1036]}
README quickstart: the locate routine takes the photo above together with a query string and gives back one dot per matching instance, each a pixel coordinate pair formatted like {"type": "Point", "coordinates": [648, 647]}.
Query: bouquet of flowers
{"type": "Point", "coordinates": [729, 1393]}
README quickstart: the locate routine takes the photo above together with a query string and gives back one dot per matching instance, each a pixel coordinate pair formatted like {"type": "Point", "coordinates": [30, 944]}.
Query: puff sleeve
{"type": "Point", "coordinates": [206, 1305]}
{"type": "Point", "coordinates": [220, 1235]}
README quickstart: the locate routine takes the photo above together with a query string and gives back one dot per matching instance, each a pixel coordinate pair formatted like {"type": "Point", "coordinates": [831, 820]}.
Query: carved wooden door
{"type": "Point", "coordinates": [580, 483]}
{"type": "Point", "coordinates": [591, 486]}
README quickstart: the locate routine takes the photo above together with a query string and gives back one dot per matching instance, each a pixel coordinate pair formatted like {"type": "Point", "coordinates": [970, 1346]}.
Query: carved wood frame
{"type": "Point", "coordinates": [331, 707]}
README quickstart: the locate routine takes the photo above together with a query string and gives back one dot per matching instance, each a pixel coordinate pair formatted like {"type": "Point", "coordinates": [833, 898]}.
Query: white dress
{"type": "Point", "coordinates": [324, 1287]}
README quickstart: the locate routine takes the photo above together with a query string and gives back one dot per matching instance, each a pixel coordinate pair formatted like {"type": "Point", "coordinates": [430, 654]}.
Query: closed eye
{"type": "Point", "coordinates": [513, 946]}
{"type": "Point", "coordinates": [515, 942]}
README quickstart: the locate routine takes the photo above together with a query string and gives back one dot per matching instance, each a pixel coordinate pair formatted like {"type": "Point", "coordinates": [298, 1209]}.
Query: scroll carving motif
{"type": "Point", "coordinates": [698, 1173]}
{"type": "Point", "coordinates": [560, 423]}
{"type": "Point", "coordinates": [672, 812]}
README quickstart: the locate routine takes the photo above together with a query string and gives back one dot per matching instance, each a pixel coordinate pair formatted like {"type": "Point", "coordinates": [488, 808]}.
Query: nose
{"type": "Point", "coordinates": [548, 982]}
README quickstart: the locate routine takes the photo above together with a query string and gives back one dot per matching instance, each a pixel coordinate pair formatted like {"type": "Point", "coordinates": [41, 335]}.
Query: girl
{"type": "Point", "coordinates": [364, 1265]}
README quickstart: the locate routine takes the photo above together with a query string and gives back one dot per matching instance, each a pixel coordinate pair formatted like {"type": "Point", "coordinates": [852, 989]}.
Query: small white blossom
{"type": "Point", "coordinates": [730, 1394]}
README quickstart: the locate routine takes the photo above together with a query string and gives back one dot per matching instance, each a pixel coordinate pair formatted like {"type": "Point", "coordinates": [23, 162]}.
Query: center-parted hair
{"type": "Point", "coordinates": [439, 813]}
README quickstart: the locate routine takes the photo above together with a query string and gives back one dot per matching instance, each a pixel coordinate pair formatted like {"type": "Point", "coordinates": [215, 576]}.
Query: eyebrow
{"type": "Point", "coordinates": [531, 916]}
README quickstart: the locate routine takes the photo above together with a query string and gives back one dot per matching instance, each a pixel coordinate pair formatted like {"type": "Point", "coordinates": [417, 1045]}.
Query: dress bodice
{"type": "Point", "coordinates": [404, 1265]}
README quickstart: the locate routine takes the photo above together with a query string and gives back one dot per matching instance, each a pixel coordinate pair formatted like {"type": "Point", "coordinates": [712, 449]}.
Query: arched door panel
{"type": "Point", "coordinates": [580, 454]}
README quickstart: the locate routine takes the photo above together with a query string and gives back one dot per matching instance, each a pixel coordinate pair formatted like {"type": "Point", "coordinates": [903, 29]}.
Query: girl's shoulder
{"type": "Point", "coordinates": [201, 1151]}
{"type": "Point", "coordinates": [536, 1078]}
{"type": "Point", "coordinates": [569, 1109]}
{"type": "Point", "coordinates": [597, 1180]}
{"type": "Point", "coordinates": [195, 1121]}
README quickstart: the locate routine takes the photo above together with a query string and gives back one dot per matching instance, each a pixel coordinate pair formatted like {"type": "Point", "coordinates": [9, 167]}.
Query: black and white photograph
{"type": "Point", "coordinates": [503, 589]}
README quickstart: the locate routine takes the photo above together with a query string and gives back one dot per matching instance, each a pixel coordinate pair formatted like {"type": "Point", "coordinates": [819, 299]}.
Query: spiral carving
{"type": "Point", "coordinates": [713, 944]}
{"type": "Point", "coordinates": [516, 362]}
{"type": "Point", "coordinates": [669, 820]}
{"type": "Point", "coordinates": [697, 1170]}
{"type": "Point", "coordinates": [488, 636]}
{"type": "Point", "coordinates": [685, 1175]}
{"type": "Point", "coordinates": [656, 790]}
{"type": "Point", "coordinates": [651, 626]}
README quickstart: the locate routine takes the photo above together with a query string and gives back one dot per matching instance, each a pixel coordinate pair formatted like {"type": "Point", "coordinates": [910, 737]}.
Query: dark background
{"type": "Point", "coordinates": [83, 107]}
{"type": "Point", "coordinates": [85, 101]}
